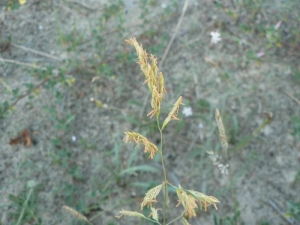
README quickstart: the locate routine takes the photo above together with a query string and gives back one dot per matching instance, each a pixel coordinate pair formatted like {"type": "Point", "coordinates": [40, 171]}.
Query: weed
{"type": "Point", "coordinates": [293, 211]}
{"type": "Point", "coordinates": [187, 198]}
{"type": "Point", "coordinates": [14, 4]}
{"type": "Point", "coordinates": [121, 175]}
{"type": "Point", "coordinates": [26, 204]}
{"type": "Point", "coordinates": [113, 9]}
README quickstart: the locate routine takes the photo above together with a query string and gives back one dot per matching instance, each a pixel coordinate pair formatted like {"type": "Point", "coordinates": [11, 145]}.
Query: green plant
{"type": "Point", "coordinates": [246, 140]}
{"type": "Point", "coordinates": [293, 210]}
{"type": "Point", "coordinates": [121, 175]}
{"type": "Point", "coordinates": [26, 203]}
{"type": "Point", "coordinates": [14, 4]}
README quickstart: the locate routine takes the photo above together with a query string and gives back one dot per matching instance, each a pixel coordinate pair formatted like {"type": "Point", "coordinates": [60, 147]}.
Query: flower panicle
{"type": "Point", "coordinates": [173, 113]}
{"type": "Point", "coordinates": [150, 196]}
{"type": "Point", "coordinates": [130, 213]}
{"type": "Point", "coordinates": [218, 162]}
{"type": "Point", "coordinates": [154, 79]}
{"type": "Point", "coordinates": [140, 139]}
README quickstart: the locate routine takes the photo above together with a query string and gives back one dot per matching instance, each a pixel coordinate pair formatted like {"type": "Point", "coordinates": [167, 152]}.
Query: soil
{"type": "Point", "coordinates": [77, 122]}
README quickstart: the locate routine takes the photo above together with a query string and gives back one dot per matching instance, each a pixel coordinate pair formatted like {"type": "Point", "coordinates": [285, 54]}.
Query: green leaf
{"type": "Point", "coordinates": [144, 168]}
{"type": "Point", "coordinates": [16, 199]}
{"type": "Point", "coordinates": [132, 156]}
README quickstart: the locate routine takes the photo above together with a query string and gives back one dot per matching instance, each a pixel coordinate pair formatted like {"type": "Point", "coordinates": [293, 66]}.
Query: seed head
{"type": "Point", "coordinates": [78, 215]}
{"type": "Point", "coordinates": [188, 202]}
{"type": "Point", "coordinates": [203, 199]}
{"type": "Point", "coordinates": [154, 79]}
{"type": "Point", "coordinates": [140, 139]}
{"type": "Point", "coordinates": [222, 134]}
{"type": "Point", "coordinates": [173, 113]}
{"type": "Point", "coordinates": [150, 196]}
{"type": "Point", "coordinates": [130, 213]}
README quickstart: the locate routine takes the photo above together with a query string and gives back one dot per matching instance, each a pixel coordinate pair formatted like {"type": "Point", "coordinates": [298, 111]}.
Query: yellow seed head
{"type": "Point", "coordinates": [203, 199]}
{"type": "Point", "coordinates": [150, 196]}
{"type": "Point", "coordinates": [130, 213]}
{"type": "Point", "coordinates": [140, 139]}
{"type": "Point", "coordinates": [173, 113]}
{"type": "Point", "coordinates": [188, 202]}
{"type": "Point", "coordinates": [223, 138]}
{"type": "Point", "coordinates": [155, 81]}
{"type": "Point", "coordinates": [75, 213]}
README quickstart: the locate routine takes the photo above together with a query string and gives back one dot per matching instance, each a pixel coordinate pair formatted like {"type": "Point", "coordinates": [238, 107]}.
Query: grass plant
{"type": "Point", "coordinates": [189, 199]}
{"type": "Point", "coordinates": [27, 209]}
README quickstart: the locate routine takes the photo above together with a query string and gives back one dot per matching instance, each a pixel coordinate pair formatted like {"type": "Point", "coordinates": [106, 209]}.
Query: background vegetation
{"type": "Point", "coordinates": [70, 80]}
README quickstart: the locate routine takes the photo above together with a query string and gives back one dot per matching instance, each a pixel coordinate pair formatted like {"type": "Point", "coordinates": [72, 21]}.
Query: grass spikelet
{"type": "Point", "coordinates": [130, 213]}
{"type": "Point", "coordinates": [223, 138]}
{"type": "Point", "coordinates": [76, 214]}
{"type": "Point", "coordinates": [142, 56]}
{"type": "Point", "coordinates": [140, 139]}
{"type": "Point", "coordinates": [188, 202]}
{"type": "Point", "coordinates": [173, 113]}
{"type": "Point", "coordinates": [154, 213]}
{"type": "Point", "coordinates": [150, 196]}
{"type": "Point", "coordinates": [204, 200]}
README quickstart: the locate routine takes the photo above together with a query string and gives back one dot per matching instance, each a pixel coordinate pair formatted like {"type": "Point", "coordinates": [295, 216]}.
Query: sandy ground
{"type": "Point", "coordinates": [78, 144]}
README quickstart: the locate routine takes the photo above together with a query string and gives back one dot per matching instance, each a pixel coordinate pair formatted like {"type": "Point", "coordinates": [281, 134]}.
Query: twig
{"type": "Point", "coordinates": [291, 96]}
{"type": "Point", "coordinates": [279, 211]}
{"type": "Point", "coordinates": [6, 85]}
{"type": "Point", "coordinates": [29, 92]}
{"type": "Point", "coordinates": [25, 95]}
{"type": "Point", "coordinates": [93, 8]}
{"type": "Point", "coordinates": [209, 60]}
{"type": "Point", "coordinates": [21, 63]}
{"type": "Point", "coordinates": [37, 52]}
{"type": "Point", "coordinates": [174, 34]}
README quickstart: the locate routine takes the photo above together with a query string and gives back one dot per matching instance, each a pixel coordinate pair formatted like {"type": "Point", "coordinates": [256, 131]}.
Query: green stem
{"type": "Point", "coordinates": [177, 218]}
{"type": "Point", "coordinates": [24, 206]}
{"type": "Point", "coordinates": [254, 134]}
{"type": "Point", "coordinates": [164, 170]}
{"type": "Point", "coordinates": [154, 221]}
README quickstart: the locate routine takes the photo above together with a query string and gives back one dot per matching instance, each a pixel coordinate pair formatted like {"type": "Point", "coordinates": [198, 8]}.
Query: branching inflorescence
{"type": "Point", "coordinates": [189, 199]}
